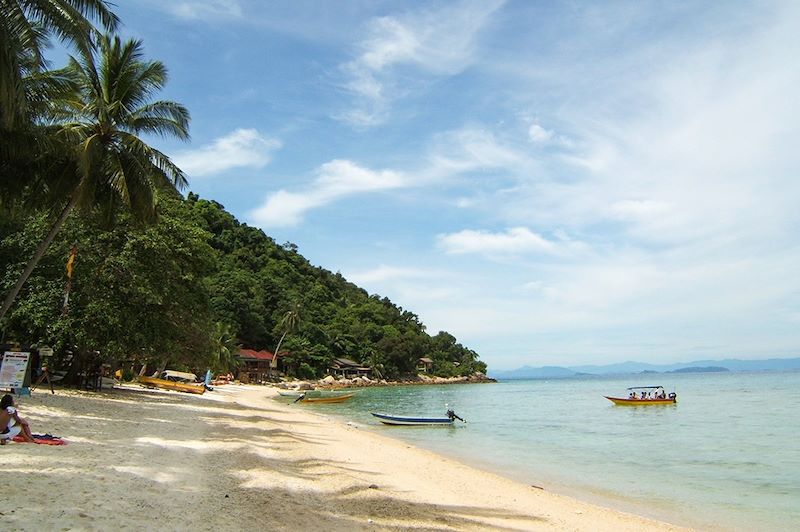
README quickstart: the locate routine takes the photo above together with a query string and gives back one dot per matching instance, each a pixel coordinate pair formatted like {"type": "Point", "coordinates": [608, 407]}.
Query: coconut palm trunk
{"type": "Point", "coordinates": [289, 322]}
{"type": "Point", "coordinates": [37, 256]}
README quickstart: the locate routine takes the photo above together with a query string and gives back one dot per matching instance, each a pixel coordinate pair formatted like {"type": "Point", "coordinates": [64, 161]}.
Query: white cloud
{"type": "Point", "coordinates": [433, 42]}
{"type": "Point", "coordinates": [384, 273]}
{"type": "Point", "coordinates": [206, 9]}
{"type": "Point", "coordinates": [470, 149]}
{"type": "Point", "coordinates": [335, 180]}
{"type": "Point", "coordinates": [453, 153]}
{"type": "Point", "coordinates": [464, 203]}
{"type": "Point", "coordinates": [244, 148]}
{"type": "Point", "coordinates": [514, 240]}
{"type": "Point", "coordinates": [539, 135]}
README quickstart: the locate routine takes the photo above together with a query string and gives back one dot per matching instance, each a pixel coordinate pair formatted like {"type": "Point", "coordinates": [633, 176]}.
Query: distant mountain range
{"type": "Point", "coordinates": [627, 368]}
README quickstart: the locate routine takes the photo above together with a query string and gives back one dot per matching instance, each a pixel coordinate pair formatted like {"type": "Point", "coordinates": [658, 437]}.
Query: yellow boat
{"type": "Point", "coordinates": [153, 382]}
{"type": "Point", "coordinates": [650, 395]}
{"type": "Point", "coordinates": [325, 399]}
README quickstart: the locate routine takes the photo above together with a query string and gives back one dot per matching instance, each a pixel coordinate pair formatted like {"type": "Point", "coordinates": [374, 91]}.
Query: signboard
{"type": "Point", "coordinates": [13, 369]}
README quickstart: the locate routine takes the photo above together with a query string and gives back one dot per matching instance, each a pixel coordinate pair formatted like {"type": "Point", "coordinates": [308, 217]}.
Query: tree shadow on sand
{"type": "Point", "coordinates": [213, 466]}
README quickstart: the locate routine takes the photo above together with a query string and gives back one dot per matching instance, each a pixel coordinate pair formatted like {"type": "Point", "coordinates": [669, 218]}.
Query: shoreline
{"type": "Point", "coordinates": [236, 459]}
{"type": "Point", "coordinates": [332, 383]}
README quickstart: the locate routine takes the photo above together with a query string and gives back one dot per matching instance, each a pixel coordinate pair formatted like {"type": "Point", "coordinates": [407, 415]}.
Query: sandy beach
{"type": "Point", "coordinates": [234, 459]}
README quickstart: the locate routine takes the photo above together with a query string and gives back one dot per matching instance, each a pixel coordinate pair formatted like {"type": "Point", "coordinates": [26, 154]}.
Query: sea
{"type": "Point", "coordinates": [726, 457]}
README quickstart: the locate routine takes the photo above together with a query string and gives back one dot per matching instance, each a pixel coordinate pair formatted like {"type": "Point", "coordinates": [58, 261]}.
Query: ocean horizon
{"type": "Point", "coordinates": [725, 457]}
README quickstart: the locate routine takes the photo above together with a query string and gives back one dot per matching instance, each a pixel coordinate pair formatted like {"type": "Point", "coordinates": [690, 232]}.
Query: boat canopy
{"type": "Point", "coordinates": [179, 376]}
{"type": "Point", "coordinates": [646, 388]}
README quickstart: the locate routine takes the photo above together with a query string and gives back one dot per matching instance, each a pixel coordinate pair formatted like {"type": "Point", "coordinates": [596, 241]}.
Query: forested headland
{"type": "Point", "coordinates": [187, 290]}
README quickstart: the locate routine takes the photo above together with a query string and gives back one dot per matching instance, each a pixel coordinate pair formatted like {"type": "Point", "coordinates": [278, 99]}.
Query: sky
{"type": "Point", "coordinates": [553, 183]}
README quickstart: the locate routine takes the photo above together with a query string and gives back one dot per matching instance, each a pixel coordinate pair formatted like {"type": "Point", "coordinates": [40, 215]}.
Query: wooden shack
{"type": "Point", "coordinates": [344, 367]}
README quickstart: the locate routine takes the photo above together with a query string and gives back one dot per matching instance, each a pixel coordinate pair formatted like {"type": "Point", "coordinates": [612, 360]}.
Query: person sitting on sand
{"type": "Point", "coordinates": [11, 422]}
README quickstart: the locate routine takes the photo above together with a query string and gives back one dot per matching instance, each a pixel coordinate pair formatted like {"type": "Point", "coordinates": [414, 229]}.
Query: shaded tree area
{"type": "Point", "coordinates": [137, 292]}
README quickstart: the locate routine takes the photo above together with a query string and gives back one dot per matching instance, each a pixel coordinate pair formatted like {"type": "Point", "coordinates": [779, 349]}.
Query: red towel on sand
{"type": "Point", "coordinates": [44, 439]}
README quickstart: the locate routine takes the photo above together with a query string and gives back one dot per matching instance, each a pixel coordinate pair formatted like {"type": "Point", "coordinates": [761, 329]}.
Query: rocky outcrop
{"type": "Point", "coordinates": [331, 383]}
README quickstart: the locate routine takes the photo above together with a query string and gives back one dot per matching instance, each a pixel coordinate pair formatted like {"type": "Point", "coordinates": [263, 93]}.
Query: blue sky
{"type": "Point", "coordinates": [551, 182]}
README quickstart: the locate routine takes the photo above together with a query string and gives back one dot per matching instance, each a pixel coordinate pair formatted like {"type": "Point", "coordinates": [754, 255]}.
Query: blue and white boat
{"type": "Point", "coordinates": [390, 419]}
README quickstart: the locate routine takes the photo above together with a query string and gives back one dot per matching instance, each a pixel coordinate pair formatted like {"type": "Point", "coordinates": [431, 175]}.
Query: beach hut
{"type": "Point", "coordinates": [256, 366]}
{"type": "Point", "coordinates": [424, 365]}
{"type": "Point", "coordinates": [344, 367]}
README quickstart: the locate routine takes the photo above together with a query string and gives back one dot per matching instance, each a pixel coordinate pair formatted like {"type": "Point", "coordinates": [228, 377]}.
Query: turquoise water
{"type": "Point", "coordinates": [726, 457]}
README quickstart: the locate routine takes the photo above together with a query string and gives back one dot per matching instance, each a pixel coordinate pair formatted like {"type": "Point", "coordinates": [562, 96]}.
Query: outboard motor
{"type": "Point", "coordinates": [452, 415]}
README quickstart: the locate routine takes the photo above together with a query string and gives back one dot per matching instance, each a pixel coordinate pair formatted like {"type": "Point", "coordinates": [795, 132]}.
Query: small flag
{"type": "Point", "coordinates": [70, 265]}
{"type": "Point", "coordinates": [71, 261]}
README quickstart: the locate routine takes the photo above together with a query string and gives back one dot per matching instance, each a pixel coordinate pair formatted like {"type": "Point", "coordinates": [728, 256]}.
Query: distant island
{"type": "Point", "coordinates": [706, 369]}
{"type": "Point", "coordinates": [631, 368]}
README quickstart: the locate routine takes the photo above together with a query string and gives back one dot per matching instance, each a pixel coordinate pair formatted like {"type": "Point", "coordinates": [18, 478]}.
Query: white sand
{"type": "Point", "coordinates": [233, 459]}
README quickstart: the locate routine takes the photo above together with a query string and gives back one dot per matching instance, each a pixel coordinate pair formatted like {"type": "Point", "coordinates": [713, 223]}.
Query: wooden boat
{"type": "Point", "coordinates": [178, 376]}
{"type": "Point", "coordinates": [153, 382]}
{"type": "Point", "coordinates": [390, 419]}
{"type": "Point", "coordinates": [324, 399]}
{"type": "Point", "coordinates": [312, 393]}
{"type": "Point", "coordinates": [650, 395]}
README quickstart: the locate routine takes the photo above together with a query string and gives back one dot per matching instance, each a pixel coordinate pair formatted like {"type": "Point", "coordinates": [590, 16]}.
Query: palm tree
{"type": "Point", "coordinates": [113, 167]}
{"type": "Point", "coordinates": [289, 323]}
{"type": "Point", "coordinates": [225, 347]}
{"type": "Point", "coordinates": [26, 88]}
{"type": "Point", "coordinates": [25, 26]}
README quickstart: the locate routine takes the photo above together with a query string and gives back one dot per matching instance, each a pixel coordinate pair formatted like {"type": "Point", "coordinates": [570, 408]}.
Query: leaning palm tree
{"type": "Point", "coordinates": [113, 167]}
{"type": "Point", "coordinates": [289, 323]}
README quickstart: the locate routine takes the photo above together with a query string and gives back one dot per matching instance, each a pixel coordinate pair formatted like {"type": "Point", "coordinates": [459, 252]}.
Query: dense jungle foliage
{"type": "Point", "coordinates": [188, 289]}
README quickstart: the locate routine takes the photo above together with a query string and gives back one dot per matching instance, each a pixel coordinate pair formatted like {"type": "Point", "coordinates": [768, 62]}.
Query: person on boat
{"type": "Point", "coordinates": [632, 395]}
{"type": "Point", "coordinates": [11, 422]}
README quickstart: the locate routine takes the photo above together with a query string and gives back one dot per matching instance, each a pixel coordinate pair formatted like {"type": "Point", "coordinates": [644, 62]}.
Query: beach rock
{"type": "Point", "coordinates": [330, 379]}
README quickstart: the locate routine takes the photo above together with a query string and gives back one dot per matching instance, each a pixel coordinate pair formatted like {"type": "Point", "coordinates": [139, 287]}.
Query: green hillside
{"type": "Point", "coordinates": [189, 289]}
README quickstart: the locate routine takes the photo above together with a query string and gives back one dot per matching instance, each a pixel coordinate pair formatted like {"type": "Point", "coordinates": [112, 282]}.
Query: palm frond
{"type": "Point", "coordinates": [162, 118]}
{"type": "Point", "coordinates": [168, 173]}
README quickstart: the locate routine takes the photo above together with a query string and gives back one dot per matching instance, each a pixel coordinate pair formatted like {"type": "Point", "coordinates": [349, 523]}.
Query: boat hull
{"type": "Point", "coordinates": [388, 419]}
{"type": "Point", "coordinates": [325, 400]}
{"type": "Point", "coordinates": [640, 402]}
{"type": "Point", "coordinates": [153, 382]}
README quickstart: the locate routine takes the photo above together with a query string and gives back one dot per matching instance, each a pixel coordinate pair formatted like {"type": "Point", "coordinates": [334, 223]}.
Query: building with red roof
{"type": "Point", "coordinates": [256, 366]}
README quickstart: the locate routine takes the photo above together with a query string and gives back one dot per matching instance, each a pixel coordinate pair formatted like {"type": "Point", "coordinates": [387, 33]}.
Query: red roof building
{"type": "Point", "coordinates": [256, 365]}
{"type": "Point", "coordinates": [251, 354]}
